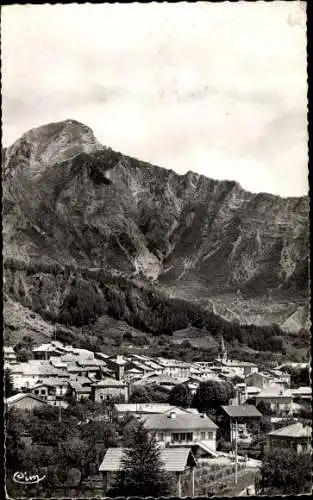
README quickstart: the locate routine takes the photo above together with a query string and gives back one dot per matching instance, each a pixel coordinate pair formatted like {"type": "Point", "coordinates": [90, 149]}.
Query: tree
{"type": "Point", "coordinates": [142, 468]}
{"type": "Point", "coordinates": [8, 383]}
{"type": "Point", "coordinates": [264, 408]}
{"type": "Point", "coordinates": [211, 395]}
{"type": "Point", "coordinates": [140, 395]}
{"type": "Point", "coordinates": [180, 396]}
{"type": "Point", "coordinates": [23, 355]}
{"type": "Point", "coordinates": [286, 473]}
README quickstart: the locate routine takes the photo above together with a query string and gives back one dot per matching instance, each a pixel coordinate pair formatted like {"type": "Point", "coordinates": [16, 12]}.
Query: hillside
{"type": "Point", "coordinates": [71, 203]}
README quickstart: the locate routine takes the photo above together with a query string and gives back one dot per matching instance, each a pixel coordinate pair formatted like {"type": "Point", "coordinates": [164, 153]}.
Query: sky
{"type": "Point", "coordinates": [215, 88]}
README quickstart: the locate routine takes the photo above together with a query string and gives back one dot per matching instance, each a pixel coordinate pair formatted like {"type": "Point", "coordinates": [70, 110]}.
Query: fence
{"type": "Point", "coordinates": [208, 481]}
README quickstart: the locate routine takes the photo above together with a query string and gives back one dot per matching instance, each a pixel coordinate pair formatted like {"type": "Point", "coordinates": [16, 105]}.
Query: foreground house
{"type": "Point", "coordinates": [185, 429]}
{"type": "Point", "coordinates": [295, 437]}
{"type": "Point", "coordinates": [180, 462]}
{"type": "Point", "coordinates": [238, 417]}
{"type": "Point", "coordinates": [24, 401]}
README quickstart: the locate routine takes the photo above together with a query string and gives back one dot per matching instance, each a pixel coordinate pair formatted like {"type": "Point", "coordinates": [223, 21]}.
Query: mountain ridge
{"type": "Point", "coordinates": [194, 237]}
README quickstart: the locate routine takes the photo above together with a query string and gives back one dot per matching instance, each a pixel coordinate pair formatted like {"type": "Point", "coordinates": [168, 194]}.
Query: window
{"type": "Point", "coordinates": [160, 436]}
{"type": "Point", "coordinates": [43, 391]}
{"type": "Point", "coordinates": [36, 391]}
{"type": "Point", "coordinates": [178, 437]}
{"type": "Point", "coordinates": [202, 436]}
{"type": "Point", "coordinates": [210, 436]}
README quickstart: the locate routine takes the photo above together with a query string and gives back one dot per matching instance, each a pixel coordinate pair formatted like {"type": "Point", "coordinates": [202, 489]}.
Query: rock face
{"type": "Point", "coordinates": [69, 200]}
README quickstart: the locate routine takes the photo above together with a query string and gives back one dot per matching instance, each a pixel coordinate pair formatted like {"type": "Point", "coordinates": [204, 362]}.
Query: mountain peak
{"type": "Point", "coordinates": [48, 144]}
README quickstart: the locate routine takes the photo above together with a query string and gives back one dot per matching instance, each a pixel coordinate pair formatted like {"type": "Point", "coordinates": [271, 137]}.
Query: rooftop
{"type": "Point", "coordinates": [146, 407]}
{"type": "Point", "coordinates": [276, 392]}
{"type": "Point", "coordinates": [174, 459]}
{"type": "Point", "coordinates": [109, 382]}
{"type": "Point", "coordinates": [118, 359]}
{"type": "Point", "coordinates": [53, 382]}
{"type": "Point", "coordinates": [181, 421]}
{"type": "Point", "coordinates": [297, 430]}
{"type": "Point", "coordinates": [238, 411]}
{"type": "Point", "coordinates": [22, 395]}
{"type": "Point", "coordinates": [78, 387]}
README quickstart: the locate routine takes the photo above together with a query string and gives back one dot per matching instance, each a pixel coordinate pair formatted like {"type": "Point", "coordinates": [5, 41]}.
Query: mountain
{"type": "Point", "coordinates": [69, 201]}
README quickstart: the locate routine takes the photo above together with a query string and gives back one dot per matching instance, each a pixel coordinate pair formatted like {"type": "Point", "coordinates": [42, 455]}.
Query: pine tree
{"type": "Point", "coordinates": [142, 468]}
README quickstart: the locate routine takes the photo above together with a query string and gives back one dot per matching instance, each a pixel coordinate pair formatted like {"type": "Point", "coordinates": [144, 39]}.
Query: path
{"type": "Point", "coordinates": [244, 492]}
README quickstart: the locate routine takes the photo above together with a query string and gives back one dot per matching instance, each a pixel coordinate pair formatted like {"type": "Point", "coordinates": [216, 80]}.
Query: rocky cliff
{"type": "Point", "coordinates": [68, 200]}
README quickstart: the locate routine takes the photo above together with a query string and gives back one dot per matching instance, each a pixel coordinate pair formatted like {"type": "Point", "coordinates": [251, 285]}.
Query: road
{"type": "Point", "coordinates": [249, 491]}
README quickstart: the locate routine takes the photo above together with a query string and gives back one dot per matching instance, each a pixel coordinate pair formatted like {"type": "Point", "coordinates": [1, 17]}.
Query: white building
{"type": "Point", "coordinates": [182, 429]}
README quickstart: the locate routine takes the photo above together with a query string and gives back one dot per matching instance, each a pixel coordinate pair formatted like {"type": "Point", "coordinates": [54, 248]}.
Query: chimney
{"type": "Point", "coordinates": [172, 414]}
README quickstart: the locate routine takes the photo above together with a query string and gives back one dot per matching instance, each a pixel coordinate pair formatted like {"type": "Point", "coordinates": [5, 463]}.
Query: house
{"type": "Point", "coordinates": [109, 388]}
{"type": "Point", "coordinates": [148, 362]}
{"type": "Point", "coordinates": [80, 388]}
{"type": "Point", "coordinates": [296, 437]}
{"type": "Point", "coordinates": [91, 367]}
{"type": "Point", "coordinates": [177, 462]}
{"type": "Point", "coordinates": [237, 420]}
{"type": "Point", "coordinates": [45, 351]}
{"type": "Point", "coordinates": [302, 393]}
{"type": "Point", "coordinates": [24, 375]}
{"type": "Point", "coordinates": [51, 390]}
{"type": "Point", "coordinates": [174, 368]}
{"type": "Point", "coordinates": [279, 378]}
{"type": "Point", "coordinates": [279, 402]}
{"type": "Point", "coordinates": [164, 381]}
{"type": "Point", "coordinates": [260, 380]}
{"type": "Point", "coordinates": [9, 355]}
{"type": "Point", "coordinates": [24, 401]}
{"type": "Point", "coordinates": [239, 368]}
{"type": "Point", "coordinates": [182, 429]}
{"type": "Point", "coordinates": [244, 393]}
{"type": "Point", "coordinates": [120, 411]}
{"type": "Point", "coordinates": [144, 370]}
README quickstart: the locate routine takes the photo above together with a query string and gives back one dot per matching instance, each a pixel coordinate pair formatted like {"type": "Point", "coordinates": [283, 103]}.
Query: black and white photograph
{"type": "Point", "coordinates": [155, 230]}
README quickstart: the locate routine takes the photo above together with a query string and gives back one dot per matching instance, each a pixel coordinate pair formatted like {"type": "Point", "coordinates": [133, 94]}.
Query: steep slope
{"type": "Point", "coordinates": [71, 201]}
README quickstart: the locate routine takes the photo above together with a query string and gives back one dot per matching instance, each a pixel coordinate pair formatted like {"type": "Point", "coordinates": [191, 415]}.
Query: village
{"type": "Point", "coordinates": [209, 448]}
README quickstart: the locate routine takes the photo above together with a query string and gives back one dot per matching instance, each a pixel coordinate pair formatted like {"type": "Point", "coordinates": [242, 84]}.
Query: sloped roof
{"type": "Point", "coordinates": [35, 367]}
{"type": "Point", "coordinates": [174, 459]}
{"type": "Point", "coordinates": [52, 382]}
{"type": "Point", "coordinates": [109, 382]}
{"type": "Point", "coordinates": [22, 395]}
{"type": "Point", "coordinates": [297, 430]}
{"type": "Point", "coordinates": [78, 387]}
{"type": "Point", "coordinates": [275, 393]}
{"type": "Point", "coordinates": [237, 411]}
{"type": "Point", "coordinates": [303, 390]}
{"type": "Point", "coordinates": [147, 407]}
{"type": "Point", "coordinates": [181, 421]}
